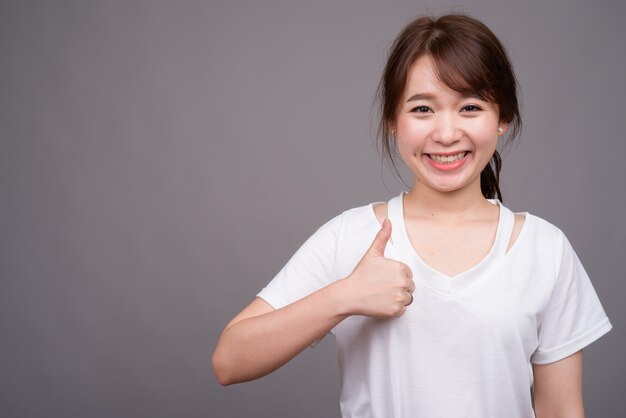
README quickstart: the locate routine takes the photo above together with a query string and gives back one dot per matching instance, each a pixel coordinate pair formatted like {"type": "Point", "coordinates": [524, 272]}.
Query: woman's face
{"type": "Point", "coordinates": [444, 137]}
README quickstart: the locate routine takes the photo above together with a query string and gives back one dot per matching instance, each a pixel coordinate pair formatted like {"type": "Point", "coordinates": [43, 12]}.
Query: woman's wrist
{"type": "Point", "coordinates": [341, 295]}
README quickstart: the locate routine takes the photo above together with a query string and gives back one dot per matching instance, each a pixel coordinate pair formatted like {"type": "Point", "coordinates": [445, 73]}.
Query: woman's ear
{"type": "Point", "coordinates": [503, 126]}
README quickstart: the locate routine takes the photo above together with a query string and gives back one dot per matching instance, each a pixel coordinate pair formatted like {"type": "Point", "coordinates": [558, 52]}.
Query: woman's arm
{"type": "Point", "coordinates": [557, 388]}
{"type": "Point", "coordinates": [260, 339]}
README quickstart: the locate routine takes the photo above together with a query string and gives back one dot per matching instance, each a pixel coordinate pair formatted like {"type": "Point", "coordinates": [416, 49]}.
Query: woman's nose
{"type": "Point", "coordinates": [446, 129]}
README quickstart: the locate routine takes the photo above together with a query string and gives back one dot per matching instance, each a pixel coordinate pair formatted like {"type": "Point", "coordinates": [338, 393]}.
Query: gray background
{"type": "Point", "coordinates": [160, 162]}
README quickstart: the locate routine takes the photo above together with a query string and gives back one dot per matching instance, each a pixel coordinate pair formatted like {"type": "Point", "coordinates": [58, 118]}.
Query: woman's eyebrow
{"type": "Point", "coordinates": [473, 96]}
{"type": "Point", "coordinates": [420, 96]}
{"type": "Point", "coordinates": [428, 96]}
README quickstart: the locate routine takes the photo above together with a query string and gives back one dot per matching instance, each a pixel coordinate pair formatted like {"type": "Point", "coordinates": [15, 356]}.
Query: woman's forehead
{"type": "Point", "coordinates": [424, 81]}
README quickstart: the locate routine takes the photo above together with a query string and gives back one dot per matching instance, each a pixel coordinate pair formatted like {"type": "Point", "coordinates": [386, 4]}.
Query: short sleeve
{"type": "Point", "coordinates": [310, 268]}
{"type": "Point", "coordinates": [574, 317]}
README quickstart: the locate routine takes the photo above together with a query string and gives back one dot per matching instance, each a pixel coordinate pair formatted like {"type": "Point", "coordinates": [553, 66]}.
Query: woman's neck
{"type": "Point", "coordinates": [463, 204]}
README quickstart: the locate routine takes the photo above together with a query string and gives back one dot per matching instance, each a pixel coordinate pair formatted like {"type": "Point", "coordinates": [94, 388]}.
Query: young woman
{"type": "Point", "coordinates": [444, 303]}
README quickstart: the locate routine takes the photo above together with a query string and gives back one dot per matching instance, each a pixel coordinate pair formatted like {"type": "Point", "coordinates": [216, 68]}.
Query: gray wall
{"type": "Point", "coordinates": [160, 162]}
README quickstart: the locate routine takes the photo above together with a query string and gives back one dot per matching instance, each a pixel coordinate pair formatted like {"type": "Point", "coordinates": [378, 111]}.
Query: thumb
{"type": "Point", "coordinates": [381, 238]}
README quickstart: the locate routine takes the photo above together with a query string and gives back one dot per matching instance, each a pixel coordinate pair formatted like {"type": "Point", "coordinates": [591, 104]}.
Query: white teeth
{"type": "Point", "coordinates": [447, 159]}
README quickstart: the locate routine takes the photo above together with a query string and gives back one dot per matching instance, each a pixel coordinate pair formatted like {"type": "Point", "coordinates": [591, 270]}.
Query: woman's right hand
{"type": "Point", "coordinates": [260, 339]}
{"type": "Point", "coordinates": [378, 286]}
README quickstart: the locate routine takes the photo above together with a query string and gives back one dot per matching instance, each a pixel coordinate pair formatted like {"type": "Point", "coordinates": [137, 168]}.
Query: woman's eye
{"type": "Point", "coordinates": [471, 108]}
{"type": "Point", "coordinates": [421, 109]}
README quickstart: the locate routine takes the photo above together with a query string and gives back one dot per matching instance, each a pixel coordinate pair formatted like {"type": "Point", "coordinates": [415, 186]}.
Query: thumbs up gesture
{"type": "Point", "coordinates": [380, 287]}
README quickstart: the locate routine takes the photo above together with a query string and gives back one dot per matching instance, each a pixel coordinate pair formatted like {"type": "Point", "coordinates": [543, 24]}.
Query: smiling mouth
{"type": "Point", "coordinates": [447, 159]}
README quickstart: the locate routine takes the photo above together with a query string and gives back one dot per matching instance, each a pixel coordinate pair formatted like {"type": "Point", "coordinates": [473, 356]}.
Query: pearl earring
{"type": "Point", "coordinates": [500, 130]}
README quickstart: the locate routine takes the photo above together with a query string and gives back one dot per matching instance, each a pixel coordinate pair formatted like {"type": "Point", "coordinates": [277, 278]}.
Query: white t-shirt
{"type": "Point", "coordinates": [464, 347]}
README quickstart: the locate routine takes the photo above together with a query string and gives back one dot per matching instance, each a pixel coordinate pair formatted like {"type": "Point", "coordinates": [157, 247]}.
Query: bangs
{"type": "Point", "coordinates": [459, 65]}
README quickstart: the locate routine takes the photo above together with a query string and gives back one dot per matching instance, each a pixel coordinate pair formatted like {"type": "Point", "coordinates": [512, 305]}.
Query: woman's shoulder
{"type": "Point", "coordinates": [361, 218]}
{"type": "Point", "coordinates": [380, 211]}
{"type": "Point", "coordinates": [538, 223]}
{"type": "Point", "coordinates": [537, 231]}
{"type": "Point", "coordinates": [368, 215]}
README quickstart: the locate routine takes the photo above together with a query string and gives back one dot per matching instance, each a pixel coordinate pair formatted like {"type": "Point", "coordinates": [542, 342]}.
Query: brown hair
{"type": "Point", "coordinates": [468, 58]}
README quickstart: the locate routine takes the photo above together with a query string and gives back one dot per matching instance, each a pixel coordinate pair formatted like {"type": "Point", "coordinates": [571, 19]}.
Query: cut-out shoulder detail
{"type": "Point", "coordinates": [517, 227]}
{"type": "Point", "coordinates": [380, 209]}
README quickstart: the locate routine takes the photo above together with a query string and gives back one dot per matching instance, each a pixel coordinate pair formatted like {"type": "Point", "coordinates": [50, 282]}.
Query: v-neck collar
{"type": "Point", "coordinates": [436, 280]}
